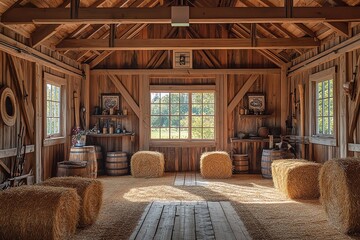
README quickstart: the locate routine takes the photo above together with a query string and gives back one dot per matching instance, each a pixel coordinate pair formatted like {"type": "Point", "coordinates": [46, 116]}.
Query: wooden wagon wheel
{"type": "Point", "coordinates": [8, 106]}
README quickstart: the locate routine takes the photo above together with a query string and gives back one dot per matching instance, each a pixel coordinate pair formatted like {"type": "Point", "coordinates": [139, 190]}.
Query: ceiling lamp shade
{"type": "Point", "coordinates": [180, 16]}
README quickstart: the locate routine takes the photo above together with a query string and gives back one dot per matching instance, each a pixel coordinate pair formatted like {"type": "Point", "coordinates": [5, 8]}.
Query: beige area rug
{"type": "Point", "coordinates": [266, 213]}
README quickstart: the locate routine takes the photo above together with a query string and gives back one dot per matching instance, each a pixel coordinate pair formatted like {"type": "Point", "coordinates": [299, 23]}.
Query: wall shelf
{"type": "Point", "coordinates": [109, 116]}
{"type": "Point", "coordinates": [234, 140]}
{"type": "Point", "coordinates": [114, 135]}
{"type": "Point", "coordinates": [255, 116]}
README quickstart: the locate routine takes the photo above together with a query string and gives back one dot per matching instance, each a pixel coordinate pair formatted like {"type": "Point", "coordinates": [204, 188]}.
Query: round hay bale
{"type": "Point", "coordinates": [90, 192]}
{"type": "Point", "coordinates": [147, 164]}
{"type": "Point", "coordinates": [340, 193]}
{"type": "Point", "coordinates": [215, 164]}
{"type": "Point", "coordinates": [298, 179]}
{"type": "Point", "coordinates": [38, 212]}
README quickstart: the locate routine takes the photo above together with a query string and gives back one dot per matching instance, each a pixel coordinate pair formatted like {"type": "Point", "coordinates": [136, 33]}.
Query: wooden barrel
{"type": "Point", "coordinates": [85, 153]}
{"type": "Point", "coordinates": [72, 168]}
{"type": "Point", "coordinates": [268, 156]}
{"type": "Point", "coordinates": [241, 163]}
{"type": "Point", "coordinates": [99, 161]}
{"type": "Point", "coordinates": [117, 164]}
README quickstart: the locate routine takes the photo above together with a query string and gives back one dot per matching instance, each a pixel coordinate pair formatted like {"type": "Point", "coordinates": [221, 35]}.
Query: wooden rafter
{"type": "Point", "coordinates": [170, 44]}
{"type": "Point", "coordinates": [197, 15]}
{"type": "Point", "coordinates": [44, 32]}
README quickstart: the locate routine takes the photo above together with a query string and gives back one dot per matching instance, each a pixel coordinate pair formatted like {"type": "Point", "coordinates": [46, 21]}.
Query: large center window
{"type": "Point", "coordinates": [183, 115]}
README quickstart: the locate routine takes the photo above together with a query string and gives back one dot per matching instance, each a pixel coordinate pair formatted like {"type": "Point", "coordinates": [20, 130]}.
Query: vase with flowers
{"type": "Point", "coordinates": [78, 136]}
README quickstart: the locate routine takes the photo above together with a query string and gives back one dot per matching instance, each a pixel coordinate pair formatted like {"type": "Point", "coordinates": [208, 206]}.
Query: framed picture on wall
{"type": "Point", "coordinates": [256, 102]}
{"type": "Point", "coordinates": [182, 59]}
{"type": "Point", "coordinates": [110, 101]}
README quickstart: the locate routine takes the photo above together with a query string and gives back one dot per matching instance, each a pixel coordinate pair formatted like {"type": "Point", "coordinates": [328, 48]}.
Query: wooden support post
{"type": "Point", "coordinates": [86, 94]}
{"type": "Point", "coordinates": [39, 85]}
{"type": "Point", "coordinates": [343, 109]}
{"type": "Point", "coordinates": [284, 98]}
{"type": "Point", "coordinates": [144, 119]}
{"type": "Point", "coordinates": [289, 8]}
{"type": "Point", "coordinates": [253, 34]}
{"type": "Point", "coordinates": [112, 35]}
{"type": "Point", "coordinates": [74, 8]}
{"type": "Point", "coordinates": [302, 119]}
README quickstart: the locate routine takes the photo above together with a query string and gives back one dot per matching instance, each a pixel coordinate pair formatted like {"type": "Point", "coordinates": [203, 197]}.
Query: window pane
{"type": "Point", "coordinates": [155, 121]}
{"type": "Point", "coordinates": [48, 107]}
{"type": "Point", "coordinates": [331, 120]}
{"type": "Point", "coordinates": [208, 133]}
{"type": "Point", "coordinates": [56, 125]}
{"type": "Point", "coordinates": [331, 88]}
{"type": "Point", "coordinates": [209, 98]}
{"type": "Point", "coordinates": [184, 133]}
{"type": "Point", "coordinates": [175, 121]}
{"type": "Point", "coordinates": [175, 133]}
{"type": "Point", "coordinates": [48, 126]}
{"type": "Point", "coordinates": [326, 89]}
{"type": "Point", "coordinates": [319, 110]}
{"type": "Point", "coordinates": [331, 107]}
{"type": "Point", "coordinates": [155, 133]}
{"type": "Point", "coordinates": [184, 121]}
{"type": "Point", "coordinates": [208, 109]}
{"type": "Point", "coordinates": [164, 109]}
{"type": "Point", "coordinates": [184, 97]}
{"type": "Point", "coordinates": [155, 98]}
{"type": "Point", "coordinates": [164, 133]}
{"type": "Point", "coordinates": [208, 122]}
{"type": "Point", "coordinates": [56, 110]}
{"type": "Point", "coordinates": [48, 91]}
{"type": "Point", "coordinates": [319, 125]}
{"type": "Point", "coordinates": [164, 121]}
{"type": "Point", "coordinates": [155, 109]}
{"type": "Point", "coordinates": [197, 98]}
{"type": "Point", "coordinates": [196, 121]}
{"type": "Point", "coordinates": [165, 97]}
{"type": "Point", "coordinates": [197, 109]}
{"type": "Point", "coordinates": [184, 109]}
{"type": "Point", "coordinates": [326, 126]}
{"type": "Point", "coordinates": [326, 107]}
{"type": "Point", "coordinates": [319, 90]}
{"type": "Point", "coordinates": [196, 133]}
{"type": "Point", "coordinates": [175, 109]}
{"type": "Point", "coordinates": [175, 97]}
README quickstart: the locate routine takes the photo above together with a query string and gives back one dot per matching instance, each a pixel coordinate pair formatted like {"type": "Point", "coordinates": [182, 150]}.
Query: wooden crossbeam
{"type": "Point", "coordinates": [170, 44]}
{"type": "Point", "coordinates": [128, 98]}
{"type": "Point", "coordinates": [244, 89]}
{"type": "Point", "coordinates": [197, 15]}
{"type": "Point", "coordinates": [44, 32]}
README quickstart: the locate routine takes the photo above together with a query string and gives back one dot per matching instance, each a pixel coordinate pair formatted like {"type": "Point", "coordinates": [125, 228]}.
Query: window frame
{"type": "Point", "coordinates": [330, 140]}
{"type": "Point", "coordinates": [61, 137]}
{"type": "Point", "coordinates": [184, 89]}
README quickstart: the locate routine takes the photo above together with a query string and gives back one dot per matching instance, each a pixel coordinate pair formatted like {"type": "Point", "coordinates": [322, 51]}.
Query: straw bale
{"type": "Point", "coordinates": [298, 179]}
{"type": "Point", "coordinates": [216, 164]}
{"type": "Point", "coordinates": [340, 193]}
{"type": "Point", "coordinates": [147, 164]}
{"type": "Point", "coordinates": [90, 192]}
{"type": "Point", "coordinates": [38, 212]}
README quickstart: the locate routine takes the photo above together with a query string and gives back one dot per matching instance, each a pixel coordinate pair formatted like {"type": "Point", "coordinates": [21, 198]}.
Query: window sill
{"type": "Point", "coordinates": [182, 143]}
{"type": "Point", "coordinates": [328, 141]}
{"type": "Point", "coordinates": [53, 141]}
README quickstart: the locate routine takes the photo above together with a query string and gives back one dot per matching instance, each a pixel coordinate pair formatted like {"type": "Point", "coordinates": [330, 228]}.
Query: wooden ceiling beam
{"type": "Point", "coordinates": [341, 28]}
{"type": "Point", "coordinates": [197, 15]}
{"type": "Point", "coordinates": [170, 44]}
{"type": "Point", "coordinates": [44, 32]}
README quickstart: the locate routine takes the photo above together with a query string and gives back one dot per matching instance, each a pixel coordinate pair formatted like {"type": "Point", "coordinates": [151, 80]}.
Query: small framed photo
{"type": "Point", "coordinates": [256, 102]}
{"type": "Point", "coordinates": [110, 101]}
{"type": "Point", "coordinates": [182, 59]}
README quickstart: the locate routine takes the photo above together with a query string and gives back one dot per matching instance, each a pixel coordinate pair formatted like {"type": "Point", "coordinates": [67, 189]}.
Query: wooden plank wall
{"type": "Point", "coordinates": [322, 153]}
{"type": "Point", "coordinates": [9, 135]}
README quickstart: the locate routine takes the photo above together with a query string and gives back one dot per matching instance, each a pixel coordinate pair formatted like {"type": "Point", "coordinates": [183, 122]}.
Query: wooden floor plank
{"type": "Point", "coordinates": [179, 179]}
{"type": "Point", "coordinates": [150, 223]}
{"type": "Point", "coordinates": [179, 223]}
{"type": "Point", "coordinates": [189, 222]}
{"type": "Point", "coordinates": [141, 221]}
{"type": "Point", "coordinates": [166, 223]}
{"type": "Point", "coordinates": [235, 222]}
{"type": "Point", "coordinates": [200, 181]}
{"type": "Point", "coordinates": [190, 179]}
{"type": "Point", "coordinates": [219, 221]}
{"type": "Point", "coordinates": [204, 228]}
